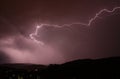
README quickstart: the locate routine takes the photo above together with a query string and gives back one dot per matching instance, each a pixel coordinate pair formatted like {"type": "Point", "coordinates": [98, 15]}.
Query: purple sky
{"type": "Point", "coordinates": [19, 18]}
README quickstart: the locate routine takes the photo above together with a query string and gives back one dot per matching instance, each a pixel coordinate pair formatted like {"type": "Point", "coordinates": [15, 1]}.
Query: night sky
{"type": "Point", "coordinates": [19, 18]}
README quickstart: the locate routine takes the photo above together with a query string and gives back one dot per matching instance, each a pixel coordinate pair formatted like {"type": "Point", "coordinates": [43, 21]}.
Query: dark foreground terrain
{"type": "Point", "coordinates": [108, 68]}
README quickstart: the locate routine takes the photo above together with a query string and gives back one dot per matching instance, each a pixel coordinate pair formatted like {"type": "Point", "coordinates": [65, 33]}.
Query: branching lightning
{"type": "Point", "coordinates": [32, 35]}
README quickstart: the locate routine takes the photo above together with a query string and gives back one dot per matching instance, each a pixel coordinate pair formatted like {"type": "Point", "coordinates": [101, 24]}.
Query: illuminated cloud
{"type": "Point", "coordinates": [67, 30]}
{"type": "Point", "coordinates": [23, 50]}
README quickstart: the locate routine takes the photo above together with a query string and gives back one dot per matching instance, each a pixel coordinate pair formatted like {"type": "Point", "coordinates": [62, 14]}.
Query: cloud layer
{"type": "Point", "coordinates": [18, 20]}
{"type": "Point", "coordinates": [23, 50]}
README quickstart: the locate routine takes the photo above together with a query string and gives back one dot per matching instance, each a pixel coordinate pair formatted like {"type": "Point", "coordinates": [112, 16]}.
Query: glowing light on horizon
{"type": "Point", "coordinates": [32, 35]}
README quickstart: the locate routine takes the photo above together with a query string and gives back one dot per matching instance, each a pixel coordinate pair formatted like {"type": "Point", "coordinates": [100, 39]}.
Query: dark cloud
{"type": "Point", "coordinates": [71, 41]}
{"type": "Point", "coordinates": [101, 39]}
{"type": "Point", "coordinates": [18, 19]}
{"type": "Point", "coordinates": [18, 16]}
{"type": "Point", "coordinates": [106, 35]}
{"type": "Point", "coordinates": [4, 58]}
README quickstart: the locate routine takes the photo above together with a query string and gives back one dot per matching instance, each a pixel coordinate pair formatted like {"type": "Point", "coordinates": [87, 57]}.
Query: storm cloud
{"type": "Point", "coordinates": [18, 20]}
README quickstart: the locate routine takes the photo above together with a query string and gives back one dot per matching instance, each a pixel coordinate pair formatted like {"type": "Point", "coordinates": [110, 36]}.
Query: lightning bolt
{"type": "Point", "coordinates": [32, 35]}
